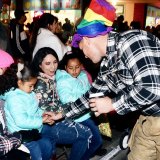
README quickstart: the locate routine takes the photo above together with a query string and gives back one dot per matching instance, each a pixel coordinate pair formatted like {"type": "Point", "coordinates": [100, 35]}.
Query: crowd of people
{"type": "Point", "coordinates": [32, 63]}
{"type": "Point", "coordinates": [119, 25]}
{"type": "Point", "coordinates": [45, 87]}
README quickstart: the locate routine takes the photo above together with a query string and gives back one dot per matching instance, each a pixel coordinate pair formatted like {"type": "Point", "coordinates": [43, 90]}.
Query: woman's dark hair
{"type": "Point", "coordinates": [26, 74]}
{"type": "Point", "coordinates": [69, 55]}
{"type": "Point", "coordinates": [39, 57]}
{"type": "Point", "coordinates": [9, 79]}
{"type": "Point", "coordinates": [42, 22]}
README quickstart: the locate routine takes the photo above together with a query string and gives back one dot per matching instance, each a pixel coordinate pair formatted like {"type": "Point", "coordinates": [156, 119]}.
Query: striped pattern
{"type": "Point", "coordinates": [97, 20]}
{"type": "Point", "coordinates": [101, 11]}
{"type": "Point", "coordinates": [92, 16]}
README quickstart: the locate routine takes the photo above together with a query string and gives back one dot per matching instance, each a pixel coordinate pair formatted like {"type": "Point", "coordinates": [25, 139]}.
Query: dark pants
{"type": "Point", "coordinates": [16, 154]}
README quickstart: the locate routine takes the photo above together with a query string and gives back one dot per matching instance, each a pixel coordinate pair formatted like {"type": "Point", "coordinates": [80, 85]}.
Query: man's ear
{"type": "Point", "coordinates": [86, 40]}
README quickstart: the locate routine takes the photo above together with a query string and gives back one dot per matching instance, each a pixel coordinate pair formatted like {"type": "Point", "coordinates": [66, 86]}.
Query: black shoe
{"type": "Point", "coordinates": [101, 152]}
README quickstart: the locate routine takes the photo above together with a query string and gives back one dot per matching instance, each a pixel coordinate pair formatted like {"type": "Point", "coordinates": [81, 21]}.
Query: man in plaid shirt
{"type": "Point", "coordinates": [130, 69]}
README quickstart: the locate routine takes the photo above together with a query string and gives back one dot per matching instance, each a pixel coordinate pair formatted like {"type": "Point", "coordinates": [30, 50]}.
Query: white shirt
{"type": "Point", "coordinates": [46, 38]}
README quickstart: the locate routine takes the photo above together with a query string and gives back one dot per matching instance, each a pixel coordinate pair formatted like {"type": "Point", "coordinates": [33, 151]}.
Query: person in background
{"type": "Point", "coordinates": [135, 25]}
{"type": "Point", "coordinates": [59, 31]}
{"type": "Point", "coordinates": [67, 27]}
{"type": "Point", "coordinates": [43, 35]}
{"type": "Point", "coordinates": [9, 142]}
{"type": "Point", "coordinates": [129, 69]}
{"type": "Point", "coordinates": [18, 37]}
{"type": "Point", "coordinates": [67, 30]}
{"type": "Point", "coordinates": [23, 114]}
{"type": "Point", "coordinates": [4, 39]}
{"type": "Point", "coordinates": [72, 82]}
{"type": "Point", "coordinates": [45, 63]}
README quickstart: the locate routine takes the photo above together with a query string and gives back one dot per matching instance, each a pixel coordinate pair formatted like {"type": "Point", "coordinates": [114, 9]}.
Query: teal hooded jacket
{"type": "Point", "coordinates": [69, 89]}
{"type": "Point", "coordinates": [22, 111]}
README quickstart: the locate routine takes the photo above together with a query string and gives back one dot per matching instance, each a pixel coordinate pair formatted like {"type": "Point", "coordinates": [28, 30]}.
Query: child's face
{"type": "Point", "coordinates": [2, 70]}
{"type": "Point", "coordinates": [49, 65]}
{"type": "Point", "coordinates": [27, 86]}
{"type": "Point", "coordinates": [73, 67]}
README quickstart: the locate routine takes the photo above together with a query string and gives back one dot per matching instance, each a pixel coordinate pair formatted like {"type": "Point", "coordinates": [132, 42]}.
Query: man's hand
{"type": "Point", "coordinates": [101, 105]}
{"type": "Point", "coordinates": [57, 116]}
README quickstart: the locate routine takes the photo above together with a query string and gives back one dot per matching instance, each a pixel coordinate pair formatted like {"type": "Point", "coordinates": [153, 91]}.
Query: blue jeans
{"type": "Point", "coordinates": [96, 140]}
{"type": "Point", "coordinates": [41, 149]}
{"type": "Point", "coordinates": [69, 132]}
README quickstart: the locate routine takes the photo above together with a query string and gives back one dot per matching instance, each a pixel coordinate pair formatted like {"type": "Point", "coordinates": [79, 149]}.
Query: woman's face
{"type": "Point", "coordinates": [49, 65]}
{"type": "Point", "coordinates": [52, 27]}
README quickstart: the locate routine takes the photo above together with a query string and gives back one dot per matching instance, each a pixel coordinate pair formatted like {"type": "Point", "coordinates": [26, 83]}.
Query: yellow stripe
{"type": "Point", "coordinates": [90, 15]}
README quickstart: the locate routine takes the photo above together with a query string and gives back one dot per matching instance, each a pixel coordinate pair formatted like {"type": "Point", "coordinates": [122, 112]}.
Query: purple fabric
{"type": "Point", "coordinates": [77, 37]}
{"type": "Point", "coordinates": [105, 4]}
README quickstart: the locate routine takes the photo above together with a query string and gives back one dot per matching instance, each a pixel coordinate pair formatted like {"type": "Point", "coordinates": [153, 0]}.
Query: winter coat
{"type": "Point", "coordinates": [22, 111]}
{"type": "Point", "coordinates": [70, 89]}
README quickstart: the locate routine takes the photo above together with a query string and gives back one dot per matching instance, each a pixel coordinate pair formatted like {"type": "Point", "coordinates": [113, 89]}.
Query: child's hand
{"type": "Point", "coordinates": [47, 118]}
{"type": "Point", "coordinates": [51, 122]}
{"type": "Point", "coordinates": [54, 115]}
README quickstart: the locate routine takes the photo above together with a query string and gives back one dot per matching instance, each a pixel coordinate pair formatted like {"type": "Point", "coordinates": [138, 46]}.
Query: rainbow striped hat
{"type": "Point", "coordinates": [97, 20]}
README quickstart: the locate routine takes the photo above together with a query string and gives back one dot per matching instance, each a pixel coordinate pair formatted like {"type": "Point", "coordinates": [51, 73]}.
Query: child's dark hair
{"type": "Point", "coordinates": [26, 74]}
{"type": "Point", "coordinates": [9, 79]}
{"type": "Point", "coordinates": [69, 55]}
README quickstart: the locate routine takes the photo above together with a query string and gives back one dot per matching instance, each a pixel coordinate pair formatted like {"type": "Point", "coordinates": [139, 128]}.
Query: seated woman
{"type": "Point", "coordinates": [66, 131]}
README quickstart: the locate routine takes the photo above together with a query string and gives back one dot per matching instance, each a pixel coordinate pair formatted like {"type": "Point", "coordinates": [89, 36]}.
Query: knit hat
{"type": "Point", "coordinates": [97, 20]}
{"type": "Point", "coordinates": [5, 59]}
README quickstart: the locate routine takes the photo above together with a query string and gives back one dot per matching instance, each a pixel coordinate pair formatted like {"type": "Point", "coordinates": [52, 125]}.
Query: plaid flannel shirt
{"type": "Point", "coordinates": [130, 70]}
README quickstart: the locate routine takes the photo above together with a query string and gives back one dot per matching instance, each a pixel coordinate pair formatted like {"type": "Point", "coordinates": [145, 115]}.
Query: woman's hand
{"type": "Point", "coordinates": [47, 118]}
{"type": "Point", "coordinates": [101, 105]}
{"type": "Point", "coordinates": [51, 117]}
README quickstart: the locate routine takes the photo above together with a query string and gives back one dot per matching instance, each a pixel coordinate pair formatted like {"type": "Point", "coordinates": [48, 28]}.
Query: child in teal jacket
{"type": "Point", "coordinates": [23, 114]}
{"type": "Point", "coordinates": [72, 82]}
